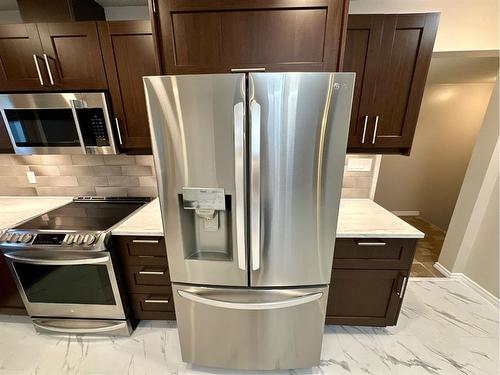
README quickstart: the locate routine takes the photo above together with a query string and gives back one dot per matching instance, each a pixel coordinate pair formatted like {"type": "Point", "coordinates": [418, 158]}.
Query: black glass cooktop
{"type": "Point", "coordinates": [86, 215]}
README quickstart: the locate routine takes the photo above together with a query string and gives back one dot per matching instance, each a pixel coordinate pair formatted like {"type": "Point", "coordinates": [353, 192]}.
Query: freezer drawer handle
{"type": "Point", "coordinates": [239, 181]}
{"type": "Point", "coordinates": [255, 184]}
{"type": "Point", "coordinates": [294, 301]}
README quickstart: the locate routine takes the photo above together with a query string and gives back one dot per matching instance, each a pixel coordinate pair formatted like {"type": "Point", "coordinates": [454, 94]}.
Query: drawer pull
{"type": "Point", "coordinates": [371, 243]}
{"type": "Point", "coordinates": [145, 241]}
{"type": "Point", "coordinates": [146, 256]}
{"type": "Point", "coordinates": [156, 301]}
{"type": "Point", "coordinates": [151, 272]}
{"type": "Point", "coordinates": [400, 293]}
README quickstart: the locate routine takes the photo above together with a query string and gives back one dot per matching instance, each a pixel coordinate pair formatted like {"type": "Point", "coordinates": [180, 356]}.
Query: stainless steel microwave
{"type": "Point", "coordinates": [58, 123]}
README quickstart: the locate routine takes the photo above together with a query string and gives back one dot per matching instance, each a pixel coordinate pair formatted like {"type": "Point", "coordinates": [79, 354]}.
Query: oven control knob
{"type": "Point", "coordinates": [79, 239]}
{"type": "Point", "coordinates": [14, 237]}
{"type": "Point", "coordinates": [25, 238]}
{"type": "Point", "coordinates": [89, 239]}
{"type": "Point", "coordinates": [69, 239]}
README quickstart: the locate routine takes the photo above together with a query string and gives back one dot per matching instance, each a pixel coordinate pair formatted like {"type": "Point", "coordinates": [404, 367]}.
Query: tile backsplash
{"type": "Point", "coordinates": [117, 175]}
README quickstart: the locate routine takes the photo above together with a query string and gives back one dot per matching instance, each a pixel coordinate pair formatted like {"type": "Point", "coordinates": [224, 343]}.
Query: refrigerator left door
{"type": "Point", "coordinates": [197, 126]}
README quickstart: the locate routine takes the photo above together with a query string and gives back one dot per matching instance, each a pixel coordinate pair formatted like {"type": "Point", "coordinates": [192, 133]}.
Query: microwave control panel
{"type": "Point", "coordinates": [93, 126]}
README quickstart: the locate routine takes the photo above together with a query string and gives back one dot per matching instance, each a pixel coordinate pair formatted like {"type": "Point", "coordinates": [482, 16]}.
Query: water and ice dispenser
{"type": "Point", "coordinates": [206, 223]}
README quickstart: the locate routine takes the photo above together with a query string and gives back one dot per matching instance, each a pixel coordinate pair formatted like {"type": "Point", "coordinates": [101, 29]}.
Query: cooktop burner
{"type": "Point", "coordinates": [84, 215]}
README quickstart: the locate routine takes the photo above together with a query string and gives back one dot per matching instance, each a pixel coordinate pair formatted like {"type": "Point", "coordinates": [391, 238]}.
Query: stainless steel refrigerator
{"type": "Point", "coordinates": [249, 170]}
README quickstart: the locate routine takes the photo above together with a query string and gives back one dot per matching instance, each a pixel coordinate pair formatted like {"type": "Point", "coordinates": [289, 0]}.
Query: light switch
{"type": "Point", "coordinates": [31, 177]}
{"type": "Point", "coordinates": [359, 165]}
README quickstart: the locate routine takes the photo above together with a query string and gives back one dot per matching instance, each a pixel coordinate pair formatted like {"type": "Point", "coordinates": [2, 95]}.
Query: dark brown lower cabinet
{"type": "Point", "coordinates": [369, 278]}
{"type": "Point", "coordinates": [10, 299]}
{"type": "Point", "coordinates": [145, 272]}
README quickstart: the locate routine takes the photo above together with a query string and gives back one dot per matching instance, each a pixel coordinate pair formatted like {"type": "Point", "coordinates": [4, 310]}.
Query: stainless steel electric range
{"type": "Point", "coordinates": [65, 268]}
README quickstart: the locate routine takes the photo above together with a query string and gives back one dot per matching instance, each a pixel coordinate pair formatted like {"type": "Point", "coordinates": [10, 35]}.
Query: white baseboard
{"type": "Point", "coordinates": [470, 283]}
{"type": "Point", "coordinates": [406, 213]}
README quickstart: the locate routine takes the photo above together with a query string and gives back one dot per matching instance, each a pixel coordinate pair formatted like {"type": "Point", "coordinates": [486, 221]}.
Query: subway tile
{"type": "Point", "coordinates": [355, 193]}
{"type": "Point", "coordinates": [357, 174]}
{"type": "Point", "coordinates": [56, 159]}
{"type": "Point", "coordinates": [147, 181]}
{"type": "Point", "coordinates": [44, 170]}
{"type": "Point", "coordinates": [13, 170]}
{"type": "Point", "coordinates": [119, 159]}
{"type": "Point", "coordinates": [111, 191]}
{"type": "Point", "coordinates": [137, 170]}
{"type": "Point", "coordinates": [7, 190]}
{"type": "Point", "coordinates": [92, 181]}
{"type": "Point", "coordinates": [144, 160]}
{"type": "Point", "coordinates": [143, 191]}
{"type": "Point", "coordinates": [124, 181]}
{"type": "Point", "coordinates": [357, 182]}
{"type": "Point", "coordinates": [57, 181]}
{"type": "Point", "coordinates": [14, 181]}
{"type": "Point", "coordinates": [65, 191]}
{"type": "Point", "coordinates": [76, 170]}
{"type": "Point", "coordinates": [87, 159]}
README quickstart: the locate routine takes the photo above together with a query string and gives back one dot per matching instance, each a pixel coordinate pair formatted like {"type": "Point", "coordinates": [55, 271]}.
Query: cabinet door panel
{"type": "Point", "coordinates": [360, 56]}
{"type": "Point", "coordinates": [365, 297]}
{"type": "Point", "coordinates": [407, 48]}
{"type": "Point", "coordinates": [129, 54]}
{"type": "Point", "coordinates": [18, 44]}
{"type": "Point", "coordinates": [74, 55]}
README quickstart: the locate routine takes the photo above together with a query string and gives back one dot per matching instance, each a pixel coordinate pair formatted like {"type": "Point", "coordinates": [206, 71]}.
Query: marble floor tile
{"type": "Point", "coordinates": [444, 328]}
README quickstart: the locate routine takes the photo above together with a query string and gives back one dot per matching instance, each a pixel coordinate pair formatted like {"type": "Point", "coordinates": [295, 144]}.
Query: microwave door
{"type": "Point", "coordinates": [298, 132]}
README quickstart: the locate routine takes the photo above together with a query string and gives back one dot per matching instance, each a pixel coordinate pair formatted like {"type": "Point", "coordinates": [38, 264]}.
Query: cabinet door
{"type": "Point", "coordinates": [73, 55]}
{"type": "Point", "coordinates": [217, 36]}
{"type": "Point", "coordinates": [129, 54]}
{"type": "Point", "coordinates": [19, 47]}
{"type": "Point", "coordinates": [10, 299]}
{"type": "Point", "coordinates": [365, 297]}
{"type": "Point", "coordinates": [363, 39]}
{"type": "Point", "coordinates": [403, 62]}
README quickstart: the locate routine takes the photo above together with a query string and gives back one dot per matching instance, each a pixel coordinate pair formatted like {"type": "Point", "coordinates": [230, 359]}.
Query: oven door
{"type": "Point", "coordinates": [66, 284]}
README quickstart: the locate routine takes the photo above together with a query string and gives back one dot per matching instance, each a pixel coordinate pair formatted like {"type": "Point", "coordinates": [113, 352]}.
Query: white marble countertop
{"type": "Point", "coordinates": [357, 218]}
{"type": "Point", "coordinates": [13, 210]}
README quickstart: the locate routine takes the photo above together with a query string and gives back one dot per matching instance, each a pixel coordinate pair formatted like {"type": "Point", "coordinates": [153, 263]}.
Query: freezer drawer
{"type": "Point", "coordinates": [253, 329]}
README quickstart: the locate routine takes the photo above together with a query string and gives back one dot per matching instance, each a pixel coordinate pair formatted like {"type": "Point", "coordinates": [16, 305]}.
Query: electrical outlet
{"type": "Point", "coordinates": [31, 177]}
{"type": "Point", "coordinates": [359, 165]}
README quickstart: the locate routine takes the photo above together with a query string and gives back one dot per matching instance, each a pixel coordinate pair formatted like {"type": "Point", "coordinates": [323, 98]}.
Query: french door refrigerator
{"type": "Point", "coordinates": [249, 170]}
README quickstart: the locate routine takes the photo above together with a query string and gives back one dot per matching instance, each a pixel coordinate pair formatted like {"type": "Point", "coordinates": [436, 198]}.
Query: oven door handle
{"type": "Point", "coordinates": [59, 259]}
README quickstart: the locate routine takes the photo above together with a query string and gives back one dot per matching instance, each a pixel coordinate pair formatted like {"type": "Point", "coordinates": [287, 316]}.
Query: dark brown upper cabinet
{"type": "Point", "coordinates": [129, 54]}
{"type": "Point", "coordinates": [214, 36]}
{"type": "Point", "coordinates": [51, 56]}
{"type": "Point", "coordinates": [390, 55]}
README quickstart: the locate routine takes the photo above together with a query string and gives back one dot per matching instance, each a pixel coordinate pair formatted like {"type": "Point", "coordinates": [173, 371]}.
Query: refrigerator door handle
{"type": "Point", "coordinates": [239, 179]}
{"type": "Point", "coordinates": [294, 301]}
{"type": "Point", "coordinates": [255, 184]}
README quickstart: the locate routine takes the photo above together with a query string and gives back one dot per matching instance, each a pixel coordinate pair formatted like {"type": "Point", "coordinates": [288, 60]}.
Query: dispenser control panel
{"type": "Point", "coordinates": [204, 198]}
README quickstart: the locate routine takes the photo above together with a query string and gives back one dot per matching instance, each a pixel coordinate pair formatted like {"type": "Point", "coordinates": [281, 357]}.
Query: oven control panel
{"type": "Point", "coordinates": [73, 240]}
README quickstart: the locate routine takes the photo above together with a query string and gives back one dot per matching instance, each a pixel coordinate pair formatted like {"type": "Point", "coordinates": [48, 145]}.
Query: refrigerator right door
{"type": "Point", "coordinates": [298, 128]}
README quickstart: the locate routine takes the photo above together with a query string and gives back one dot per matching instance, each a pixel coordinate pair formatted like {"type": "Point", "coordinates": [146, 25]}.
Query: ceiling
{"type": "Point", "coordinates": [12, 4]}
{"type": "Point", "coordinates": [463, 69]}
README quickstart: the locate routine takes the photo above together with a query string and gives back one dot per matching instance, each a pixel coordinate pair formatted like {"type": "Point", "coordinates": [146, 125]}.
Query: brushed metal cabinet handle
{"type": "Point", "coordinates": [35, 58]}
{"type": "Point", "coordinates": [159, 273]}
{"type": "Point", "coordinates": [46, 59]}
{"type": "Point", "coordinates": [364, 130]}
{"type": "Point", "coordinates": [400, 293]}
{"type": "Point", "coordinates": [255, 184]}
{"type": "Point", "coordinates": [156, 301]}
{"type": "Point", "coordinates": [361, 243]}
{"type": "Point", "coordinates": [239, 181]}
{"type": "Point", "coordinates": [118, 131]}
{"type": "Point", "coordinates": [375, 130]}
{"type": "Point", "coordinates": [244, 70]}
{"type": "Point", "coordinates": [145, 241]}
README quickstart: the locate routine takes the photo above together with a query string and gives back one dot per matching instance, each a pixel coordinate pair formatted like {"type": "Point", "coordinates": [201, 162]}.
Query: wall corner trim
{"type": "Point", "coordinates": [470, 283]}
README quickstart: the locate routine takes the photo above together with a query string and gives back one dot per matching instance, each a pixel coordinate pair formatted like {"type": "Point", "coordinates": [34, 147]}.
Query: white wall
{"type": "Point", "coordinates": [464, 25]}
{"type": "Point", "coordinates": [471, 245]}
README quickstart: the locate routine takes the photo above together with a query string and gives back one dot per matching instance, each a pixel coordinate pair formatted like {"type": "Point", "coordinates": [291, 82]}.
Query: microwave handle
{"type": "Point", "coordinates": [75, 103]}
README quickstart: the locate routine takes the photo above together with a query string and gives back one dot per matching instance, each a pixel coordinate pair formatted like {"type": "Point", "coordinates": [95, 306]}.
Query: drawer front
{"type": "Point", "coordinates": [374, 253]}
{"type": "Point", "coordinates": [142, 250]}
{"type": "Point", "coordinates": [148, 279]}
{"type": "Point", "coordinates": [153, 306]}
